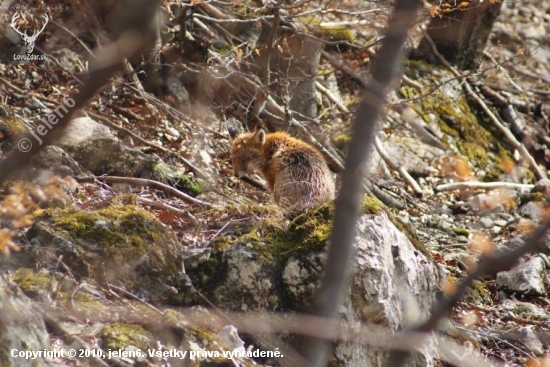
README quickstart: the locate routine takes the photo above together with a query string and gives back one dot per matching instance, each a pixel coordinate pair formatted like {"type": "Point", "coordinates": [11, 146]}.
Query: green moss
{"type": "Point", "coordinates": [83, 303]}
{"type": "Point", "coordinates": [118, 237]}
{"type": "Point", "coordinates": [341, 141]}
{"type": "Point", "coordinates": [14, 125]}
{"type": "Point", "coordinates": [165, 174]}
{"type": "Point", "coordinates": [120, 336]}
{"type": "Point", "coordinates": [11, 129]}
{"type": "Point", "coordinates": [310, 232]}
{"type": "Point", "coordinates": [478, 294]}
{"type": "Point", "coordinates": [133, 228]}
{"type": "Point", "coordinates": [222, 243]}
{"type": "Point", "coordinates": [374, 206]}
{"type": "Point", "coordinates": [206, 336]}
{"type": "Point", "coordinates": [172, 317]}
{"type": "Point", "coordinates": [124, 199]}
{"type": "Point", "coordinates": [475, 136]}
{"type": "Point", "coordinates": [34, 283]}
{"type": "Point", "coordinates": [307, 232]}
{"type": "Point", "coordinates": [335, 33]}
{"type": "Point", "coordinates": [332, 33]}
{"type": "Point", "coordinates": [212, 272]}
{"type": "Point", "coordinates": [461, 231]}
{"type": "Point", "coordinates": [188, 185]}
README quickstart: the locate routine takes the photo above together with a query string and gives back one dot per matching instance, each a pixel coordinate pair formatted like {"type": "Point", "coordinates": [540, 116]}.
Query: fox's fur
{"type": "Point", "coordinates": [296, 172]}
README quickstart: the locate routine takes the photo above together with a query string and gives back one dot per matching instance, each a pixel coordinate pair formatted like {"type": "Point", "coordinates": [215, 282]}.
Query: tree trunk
{"type": "Point", "coordinates": [293, 65]}
{"type": "Point", "coordinates": [461, 35]}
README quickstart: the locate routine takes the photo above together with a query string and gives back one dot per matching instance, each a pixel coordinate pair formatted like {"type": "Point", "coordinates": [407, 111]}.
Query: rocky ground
{"type": "Point", "coordinates": [124, 264]}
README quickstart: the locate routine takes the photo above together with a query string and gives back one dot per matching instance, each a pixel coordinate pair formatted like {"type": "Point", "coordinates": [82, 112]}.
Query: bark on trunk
{"type": "Point", "coordinates": [461, 35]}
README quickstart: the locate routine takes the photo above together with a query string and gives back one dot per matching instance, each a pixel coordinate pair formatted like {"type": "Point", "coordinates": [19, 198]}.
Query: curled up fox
{"type": "Point", "coordinates": [296, 172]}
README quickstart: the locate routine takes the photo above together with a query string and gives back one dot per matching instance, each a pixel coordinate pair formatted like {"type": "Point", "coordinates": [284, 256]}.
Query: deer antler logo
{"type": "Point", "coordinates": [29, 40]}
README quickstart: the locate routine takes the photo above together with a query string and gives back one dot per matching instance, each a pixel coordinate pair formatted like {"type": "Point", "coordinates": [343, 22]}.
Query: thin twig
{"type": "Point", "coordinates": [505, 131]}
{"type": "Point", "coordinates": [57, 329]}
{"type": "Point", "coordinates": [336, 278]}
{"type": "Point", "coordinates": [484, 186]}
{"type": "Point", "coordinates": [108, 61]}
{"type": "Point", "coordinates": [107, 122]}
{"type": "Point", "coordinates": [120, 290]}
{"type": "Point", "coordinates": [497, 261]}
{"type": "Point", "coordinates": [161, 205]}
{"type": "Point", "coordinates": [334, 99]}
{"type": "Point", "coordinates": [399, 168]}
{"type": "Point", "coordinates": [144, 182]}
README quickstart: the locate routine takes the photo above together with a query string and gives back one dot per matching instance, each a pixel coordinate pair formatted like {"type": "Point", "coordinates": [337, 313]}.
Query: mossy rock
{"type": "Point", "coordinates": [279, 269]}
{"type": "Point", "coordinates": [372, 205]}
{"type": "Point", "coordinates": [307, 232]}
{"type": "Point", "coordinates": [341, 141]}
{"type": "Point", "coordinates": [34, 283]}
{"type": "Point", "coordinates": [188, 185]}
{"type": "Point", "coordinates": [10, 128]}
{"type": "Point", "coordinates": [329, 32]}
{"type": "Point", "coordinates": [478, 294]}
{"type": "Point", "coordinates": [120, 336]}
{"type": "Point", "coordinates": [185, 183]}
{"type": "Point", "coordinates": [310, 231]}
{"type": "Point", "coordinates": [336, 33]}
{"type": "Point", "coordinates": [122, 244]}
{"type": "Point", "coordinates": [461, 231]}
{"type": "Point", "coordinates": [464, 123]}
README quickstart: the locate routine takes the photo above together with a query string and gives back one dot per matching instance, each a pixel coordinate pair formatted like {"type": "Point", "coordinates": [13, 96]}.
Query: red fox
{"type": "Point", "coordinates": [296, 173]}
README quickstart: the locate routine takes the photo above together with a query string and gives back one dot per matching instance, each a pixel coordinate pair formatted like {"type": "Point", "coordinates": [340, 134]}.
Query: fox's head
{"type": "Point", "coordinates": [246, 151]}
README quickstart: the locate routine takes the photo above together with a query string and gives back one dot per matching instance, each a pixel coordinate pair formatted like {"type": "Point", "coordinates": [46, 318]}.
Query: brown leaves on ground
{"type": "Point", "coordinates": [24, 204]}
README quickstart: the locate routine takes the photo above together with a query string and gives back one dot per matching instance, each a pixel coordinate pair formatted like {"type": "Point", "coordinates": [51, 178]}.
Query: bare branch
{"type": "Point", "coordinates": [399, 168]}
{"type": "Point", "coordinates": [498, 261]}
{"type": "Point", "coordinates": [336, 278]}
{"type": "Point", "coordinates": [334, 99]}
{"type": "Point", "coordinates": [505, 131]}
{"type": "Point", "coordinates": [145, 182]}
{"type": "Point", "coordinates": [483, 185]}
{"type": "Point", "coordinates": [265, 73]}
{"type": "Point", "coordinates": [108, 61]}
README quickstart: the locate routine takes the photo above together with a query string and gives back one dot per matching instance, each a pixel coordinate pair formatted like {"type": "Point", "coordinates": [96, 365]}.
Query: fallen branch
{"type": "Point", "coordinates": [500, 260]}
{"type": "Point", "coordinates": [125, 292]}
{"type": "Point", "coordinates": [516, 319]}
{"type": "Point", "coordinates": [483, 185]}
{"type": "Point", "coordinates": [109, 60]}
{"type": "Point", "coordinates": [252, 182]}
{"type": "Point", "coordinates": [399, 168]}
{"type": "Point", "coordinates": [144, 182]}
{"type": "Point", "coordinates": [507, 110]}
{"type": "Point", "coordinates": [505, 131]}
{"type": "Point", "coordinates": [331, 97]}
{"type": "Point", "coordinates": [536, 76]}
{"type": "Point", "coordinates": [106, 121]}
{"type": "Point", "coordinates": [75, 342]}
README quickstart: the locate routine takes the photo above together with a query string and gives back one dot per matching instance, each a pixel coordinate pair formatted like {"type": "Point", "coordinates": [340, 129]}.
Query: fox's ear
{"type": "Point", "coordinates": [259, 136]}
{"type": "Point", "coordinates": [232, 132]}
